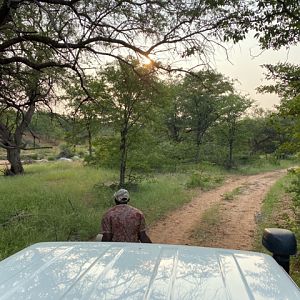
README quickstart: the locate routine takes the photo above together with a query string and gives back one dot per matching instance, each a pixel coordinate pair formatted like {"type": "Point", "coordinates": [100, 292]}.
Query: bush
{"type": "Point", "coordinates": [204, 181]}
{"type": "Point", "coordinates": [106, 153]}
{"type": "Point", "coordinates": [273, 160]}
{"type": "Point", "coordinates": [66, 151]}
{"type": "Point", "coordinates": [294, 188]}
{"type": "Point", "coordinates": [33, 156]}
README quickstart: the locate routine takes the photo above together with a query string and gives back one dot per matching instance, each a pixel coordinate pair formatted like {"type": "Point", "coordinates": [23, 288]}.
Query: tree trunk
{"type": "Point", "coordinates": [123, 149]}
{"type": "Point", "coordinates": [198, 144]}
{"type": "Point", "coordinates": [90, 140]}
{"type": "Point", "coordinates": [230, 154]}
{"type": "Point", "coordinates": [13, 156]}
{"type": "Point", "coordinates": [197, 156]}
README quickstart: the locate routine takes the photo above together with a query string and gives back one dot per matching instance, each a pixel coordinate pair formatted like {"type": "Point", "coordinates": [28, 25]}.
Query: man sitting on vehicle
{"type": "Point", "coordinates": [124, 223]}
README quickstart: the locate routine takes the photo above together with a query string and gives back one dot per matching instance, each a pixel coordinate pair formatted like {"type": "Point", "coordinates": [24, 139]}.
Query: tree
{"type": "Point", "coordinates": [27, 90]}
{"type": "Point", "coordinates": [276, 22]}
{"type": "Point", "coordinates": [72, 29]}
{"type": "Point", "coordinates": [132, 98]}
{"type": "Point", "coordinates": [48, 125]}
{"type": "Point", "coordinates": [264, 136]}
{"type": "Point", "coordinates": [287, 80]}
{"type": "Point", "coordinates": [174, 119]}
{"type": "Point", "coordinates": [287, 86]}
{"type": "Point", "coordinates": [79, 34]}
{"type": "Point", "coordinates": [203, 100]}
{"type": "Point", "coordinates": [87, 113]}
{"type": "Point", "coordinates": [235, 109]}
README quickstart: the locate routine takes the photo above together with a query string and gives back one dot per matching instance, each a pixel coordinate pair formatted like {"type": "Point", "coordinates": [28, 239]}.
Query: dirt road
{"type": "Point", "coordinates": [236, 224]}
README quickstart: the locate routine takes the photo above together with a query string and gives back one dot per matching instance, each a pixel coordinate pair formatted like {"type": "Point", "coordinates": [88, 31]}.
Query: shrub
{"type": "Point", "coordinates": [203, 180]}
{"type": "Point", "coordinates": [66, 151]}
{"type": "Point", "coordinates": [294, 187]}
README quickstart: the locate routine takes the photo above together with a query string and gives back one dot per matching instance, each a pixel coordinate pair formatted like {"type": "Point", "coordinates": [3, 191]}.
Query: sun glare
{"type": "Point", "coordinates": [147, 61]}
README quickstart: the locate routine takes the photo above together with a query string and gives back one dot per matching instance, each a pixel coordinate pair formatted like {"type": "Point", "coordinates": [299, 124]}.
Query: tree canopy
{"type": "Point", "coordinates": [73, 31]}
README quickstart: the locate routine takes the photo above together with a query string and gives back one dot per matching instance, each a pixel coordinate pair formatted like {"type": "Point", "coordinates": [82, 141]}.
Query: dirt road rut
{"type": "Point", "coordinates": [236, 226]}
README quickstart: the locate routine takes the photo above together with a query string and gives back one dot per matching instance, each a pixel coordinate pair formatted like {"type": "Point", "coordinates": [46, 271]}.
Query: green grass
{"type": "Point", "coordinates": [156, 198]}
{"type": "Point", "coordinates": [265, 165]}
{"type": "Point", "coordinates": [269, 209]}
{"type": "Point", "coordinates": [63, 201]}
{"type": "Point", "coordinates": [51, 202]}
{"type": "Point", "coordinates": [205, 176]}
{"type": "Point", "coordinates": [210, 219]}
{"type": "Point", "coordinates": [273, 216]}
{"type": "Point", "coordinates": [229, 196]}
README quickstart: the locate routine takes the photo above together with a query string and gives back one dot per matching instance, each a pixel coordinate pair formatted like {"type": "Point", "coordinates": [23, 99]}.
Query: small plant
{"type": "Point", "coordinates": [204, 181]}
{"type": "Point", "coordinates": [6, 171]}
{"type": "Point", "coordinates": [229, 196]}
{"type": "Point", "coordinates": [273, 160]}
{"type": "Point", "coordinates": [66, 151]}
{"type": "Point", "coordinates": [33, 156]}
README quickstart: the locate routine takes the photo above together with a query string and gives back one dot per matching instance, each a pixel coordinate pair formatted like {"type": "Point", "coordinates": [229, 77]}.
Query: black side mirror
{"type": "Point", "coordinates": [282, 243]}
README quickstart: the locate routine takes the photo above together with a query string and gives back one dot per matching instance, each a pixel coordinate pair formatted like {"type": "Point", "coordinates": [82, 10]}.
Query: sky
{"type": "Point", "coordinates": [244, 66]}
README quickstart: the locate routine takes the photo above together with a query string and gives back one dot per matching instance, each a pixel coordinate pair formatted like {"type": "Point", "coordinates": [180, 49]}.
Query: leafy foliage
{"type": "Point", "coordinates": [275, 22]}
{"type": "Point", "coordinates": [287, 80]}
{"type": "Point", "coordinates": [202, 102]}
{"type": "Point", "coordinates": [287, 86]}
{"type": "Point", "coordinates": [204, 180]}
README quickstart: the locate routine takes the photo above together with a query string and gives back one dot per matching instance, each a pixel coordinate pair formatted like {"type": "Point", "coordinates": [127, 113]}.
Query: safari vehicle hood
{"type": "Point", "coordinates": [96, 270]}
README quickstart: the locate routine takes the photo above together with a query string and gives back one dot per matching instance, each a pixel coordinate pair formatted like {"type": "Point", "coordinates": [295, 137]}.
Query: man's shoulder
{"type": "Point", "coordinates": [122, 208]}
{"type": "Point", "coordinates": [134, 209]}
{"type": "Point", "coordinates": [111, 210]}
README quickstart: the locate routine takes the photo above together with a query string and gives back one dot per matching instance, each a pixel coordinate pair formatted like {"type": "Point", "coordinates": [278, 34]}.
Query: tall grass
{"type": "Point", "coordinates": [265, 165]}
{"type": "Point", "coordinates": [51, 202]}
{"type": "Point", "coordinates": [273, 216]}
{"type": "Point", "coordinates": [60, 201]}
{"type": "Point", "coordinates": [157, 197]}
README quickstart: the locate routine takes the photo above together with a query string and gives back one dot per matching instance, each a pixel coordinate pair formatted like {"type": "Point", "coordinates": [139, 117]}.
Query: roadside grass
{"type": "Point", "coordinates": [265, 165]}
{"type": "Point", "coordinates": [159, 196]}
{"type": "Point", "coordinates": [209, 221]}
{"type": "Point", "coordinates": [205, 175]}
{"type": "Point", "coordinates": [204, 180]}
{"type": "Point", "coordinates": [154, 196]}
{"type": "Point", "coordinates": [277, 211]}
{"type": "Point", "coordinates": [51, 202]}
{"type": "Point", "coordinates": [62, 201]}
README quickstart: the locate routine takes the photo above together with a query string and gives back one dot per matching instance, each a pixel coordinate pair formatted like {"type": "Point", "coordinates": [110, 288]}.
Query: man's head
{"type": "Point", "coordinates": [121, 196]}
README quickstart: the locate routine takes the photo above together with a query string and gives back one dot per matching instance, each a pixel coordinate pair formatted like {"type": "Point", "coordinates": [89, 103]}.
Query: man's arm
{"type": "Point", "coordinates": [107, 237]}
{"type": "Point", "coordinates": [106, 229]}
{"type": "Point", "coordinates": [143, 237]}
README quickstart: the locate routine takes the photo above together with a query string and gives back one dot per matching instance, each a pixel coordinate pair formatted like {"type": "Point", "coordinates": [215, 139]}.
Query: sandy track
{"type": "Point", "coordinates": [237, 223]}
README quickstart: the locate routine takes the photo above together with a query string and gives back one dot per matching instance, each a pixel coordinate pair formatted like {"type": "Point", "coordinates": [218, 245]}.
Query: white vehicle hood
{"type": "Point", "coordinates": [96, 270]}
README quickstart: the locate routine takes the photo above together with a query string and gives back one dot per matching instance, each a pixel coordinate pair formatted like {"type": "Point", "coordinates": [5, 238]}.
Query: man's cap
{"type": "Point", "coordinates": [122, 196]}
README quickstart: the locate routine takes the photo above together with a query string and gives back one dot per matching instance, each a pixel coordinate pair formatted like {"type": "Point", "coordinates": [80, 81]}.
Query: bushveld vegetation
{"type": "Point", "coordinates": [131, 123]}
{"type": "Point", "coordinates": [65, 200]}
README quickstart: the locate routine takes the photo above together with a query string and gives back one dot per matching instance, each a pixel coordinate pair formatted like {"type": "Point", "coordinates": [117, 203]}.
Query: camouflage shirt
{"type": "Point", "coordinates": [124, 222]}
